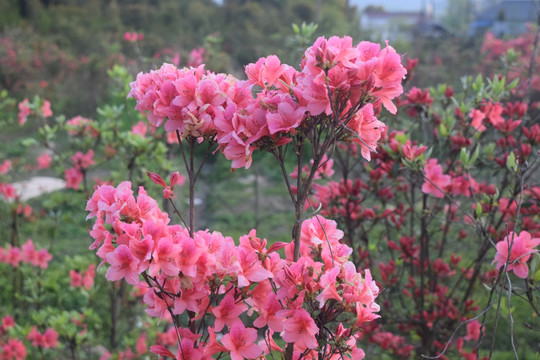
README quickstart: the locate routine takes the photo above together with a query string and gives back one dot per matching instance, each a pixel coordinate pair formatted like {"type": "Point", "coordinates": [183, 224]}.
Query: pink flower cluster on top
{"type": "Point", "coordinates": [338, 81]}
{"type": "Point", "coordinates": [211, 276]}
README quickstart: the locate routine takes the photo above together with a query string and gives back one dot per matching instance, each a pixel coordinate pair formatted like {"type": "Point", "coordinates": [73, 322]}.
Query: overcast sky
{"type": "Point", "coordinates": [391, 5]}
{"type": "Point", "coordinates": [403, 5]}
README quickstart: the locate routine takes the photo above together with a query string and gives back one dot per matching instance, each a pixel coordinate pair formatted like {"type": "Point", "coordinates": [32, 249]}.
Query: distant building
{"type": "Point", "coordinates": [505, 18]}
{"type": "Point", "coordinates": [393, 25]}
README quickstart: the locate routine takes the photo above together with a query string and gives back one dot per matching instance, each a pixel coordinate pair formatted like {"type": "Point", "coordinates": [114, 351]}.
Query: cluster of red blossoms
{"type": "Point", "coordinates": [208, 275]}
{"type": "Point", "coordinates": [343, 83]}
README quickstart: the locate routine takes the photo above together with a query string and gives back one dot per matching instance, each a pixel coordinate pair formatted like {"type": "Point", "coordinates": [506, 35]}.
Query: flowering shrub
{"type": "Point", "coordinates": [314, 297]}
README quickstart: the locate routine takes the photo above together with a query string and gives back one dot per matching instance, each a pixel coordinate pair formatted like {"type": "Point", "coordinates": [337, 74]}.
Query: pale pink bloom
{"type": "Point", "coordinates": [50, 339]}
{"type": "Point", "coordinates": [141, 347]}
{"type": "Point", "coordinates": [123, 265]}
{"type": "Point", "coordinates": [73, 177]}
{"type": "Point", "coordinates": [435, 182]}
{"type": "Point", "coordinates": [196, 57]}
{"type": "Point", "coordinates": [28, 252]}
{"type": "Point", "coordinates": [522, 247]}
{"type": "Point", "coordinates": [44, 161]}
{"type": "Point", "coordinates": [493, 113]}
{"type": "Point", "coordinates": [163, 258]}
{"type": "Point", "coordinates": [8, 191]}
{"type": "Point", "coordinates": [367, 130]}
{"type": "Point", "coordinates": [12, 256]}
{"type": "Point", "coordinates": [227, 312]}
{"type": "Point", "coordinates": [24, 111]}
{"type": "Point", "coordinates": [268, 314]}
{"type": "Point", "coordinates": [81, 126]}
{"type": "Point", "coordinates": [300, 329]}
{"type": "Point", "coordinates": [191, 299]}
{"type": "Point", "coordinates": [46, 109]}
{"type": "Point", "coordinates": [241, 342]}
{"type": "Point", "coordinates": [187, 350]}
{"type": "Point", "coordinates": [42, 258]}
{"type": "Point", "coordinates": [140, 128]}
{"type": "Point", "coordinates": [88, 277]}
{"type": "Point", "coordinates": [328, 285]}
{"type": "Point", "coordinates": [477, 116]}
{"type": "Point", "coordinates": [252, 269]}
{"type": "Point", "coordinates": [5, 167]}
{"type": "Point", "coordinates": [76, 278]}
{"type": "Point", "coordinates": [287, 118]}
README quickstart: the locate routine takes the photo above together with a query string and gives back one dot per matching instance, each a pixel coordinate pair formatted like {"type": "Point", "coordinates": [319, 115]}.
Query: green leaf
{"type": "Point", "coordinates": [29, 142]}
{"type": "Point", "coordinates": [464, 157]}
{"type": "Point", "coordinates": [443, 130]}
{"type": "Point", "coordinates": [511, 163]}
{"type": "Point", "coordinates": [478, 209]}
{"type": "Point", "coordinates": [475, 155]}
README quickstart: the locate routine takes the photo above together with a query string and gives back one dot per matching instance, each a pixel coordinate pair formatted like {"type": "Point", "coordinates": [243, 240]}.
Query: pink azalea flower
{"type": "Point", "coordinates": [73, 177]}
{"type": "Point", "coordinates": [5, 167]}
{"type": "Point", "coordinates": [13, 349]}
{"type": "Point", "coordinates": [163, 258]}
{"type": "Point", "coordinates": [50, 339]}
{"type": "Point", "coordinates": [300, 329]}
{"type": "Point", "coordinates": [7, 322]}
{"type": "Point", "coordinates": [46, 109]}
{"type": "Point", "coordinates": [522, 246]}
{"type": "Point", "coordinates": [88, 277]}
{"type": "Point", "coordinates": [76, 278]}
{"type": "Point", "coordinates": [123, 265]}
{"type": "Point", "coordinates": [435, 182]}
{"type": "Point", "coordinates": [24, 111]}
{"type": "Point", "coordinates": [13, 256]}
{"type": "Point", "coordinates": [44, 161]}
{"type": "Point", "coordinates": [140, 128]}
{"type": "Point", "coordinates": [474, 328]}
{"type": "Point", "coordinates": [477, 116]}
{"type": "Point", "coordinates": [367, 130]}
{"type": "Point", "coordinates": [83, 161]}
{"type": "Point", "coordinates": [241, 342]}
{"type": "Point", "coordinates": [227, 312]}
{"type": "Point", "coordinates": [287, 118]}
{"type": "Point", "coordinates": [42, 258]}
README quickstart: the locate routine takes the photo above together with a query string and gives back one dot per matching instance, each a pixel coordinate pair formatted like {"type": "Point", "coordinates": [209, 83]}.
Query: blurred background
{"type": "Point", "coordinates": [61, 47]}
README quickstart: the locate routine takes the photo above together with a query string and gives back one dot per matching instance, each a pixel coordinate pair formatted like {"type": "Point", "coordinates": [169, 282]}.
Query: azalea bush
{"type": "Point", "coordinates": [200, 280]}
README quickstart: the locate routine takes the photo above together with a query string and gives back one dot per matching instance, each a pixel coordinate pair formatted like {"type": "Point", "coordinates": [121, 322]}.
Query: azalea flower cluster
{"type": "Point", "coordinates": [26, 109]}
{"type": "Point", "coordinates": [338, 84]}
{"type": "Point", "coordinates": [514, 251]}
{"type": "Point", "coordinates": [27, 254]}
{"type": "Point", "coordinates": [14, 349]}
{"type": "Point", "coordinates": [217, 283]}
